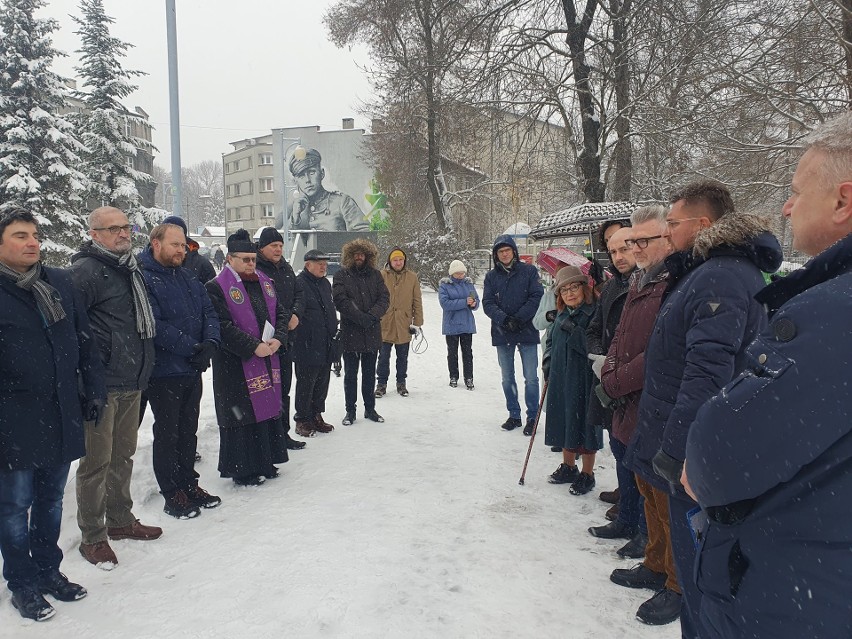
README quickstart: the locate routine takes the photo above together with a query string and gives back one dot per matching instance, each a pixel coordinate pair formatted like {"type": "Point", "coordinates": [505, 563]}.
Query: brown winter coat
{"type": "Point", "coordinates": [623, 373]}
{"type": "Point", "coordinates": [361, 298]}
{"type": "Point", "coordinates": [406, 304]}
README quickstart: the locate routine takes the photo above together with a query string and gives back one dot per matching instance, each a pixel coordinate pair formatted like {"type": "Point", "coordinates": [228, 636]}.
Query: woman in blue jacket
{"type": "Point", "coordinates": [458, 298]}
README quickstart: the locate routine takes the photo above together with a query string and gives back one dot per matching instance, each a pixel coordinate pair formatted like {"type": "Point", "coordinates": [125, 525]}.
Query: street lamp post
{"type": "Point", "coordinates": [281, 175]}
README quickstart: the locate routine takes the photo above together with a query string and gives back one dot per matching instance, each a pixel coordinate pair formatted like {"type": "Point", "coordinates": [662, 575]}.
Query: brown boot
{"type": "Point", "coordinates": [321, 425]}
{"type": "Point", "coordinates": [99, 554]}
{"type": "Point", "coordinates": [305, 429]}
{"type": "Point", "coordinates": [136, 530]}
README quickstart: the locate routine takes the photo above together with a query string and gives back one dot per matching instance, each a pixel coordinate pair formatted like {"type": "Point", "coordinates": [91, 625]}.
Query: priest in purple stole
{"type": "Point", "coordinates": [246, 378]}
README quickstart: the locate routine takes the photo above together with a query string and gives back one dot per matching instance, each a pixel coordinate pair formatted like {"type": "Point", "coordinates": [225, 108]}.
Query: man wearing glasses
{"type": "Point", "coordinates": [111, 286]}
{"type": "Point", "coordinates": [708, 318]}
{"type": "Point", "coordinates": [187, 336]}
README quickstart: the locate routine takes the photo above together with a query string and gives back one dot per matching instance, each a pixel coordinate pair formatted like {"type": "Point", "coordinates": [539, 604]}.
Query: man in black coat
{"type": "Point", "coordinates": [270, 260]}
{"type": "Point", "coordinates": [362, 298]}
{"type": "Point", "coordinates": [314, 345]}
{"type": "Point", "coordinates": [49, 366]}
{"type": "Point", "coordinates": [111, 286]}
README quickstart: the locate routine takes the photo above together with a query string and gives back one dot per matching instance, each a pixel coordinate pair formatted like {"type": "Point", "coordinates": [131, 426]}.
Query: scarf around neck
{"type": "Point", "coordinates": [145, 324]}
{"type": "Point", "coordinates": [47, 298]}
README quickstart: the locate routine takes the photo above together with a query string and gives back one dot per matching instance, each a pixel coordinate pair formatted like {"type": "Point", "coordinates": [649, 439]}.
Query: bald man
{"type": "Point", "coordinates": [110, 283]}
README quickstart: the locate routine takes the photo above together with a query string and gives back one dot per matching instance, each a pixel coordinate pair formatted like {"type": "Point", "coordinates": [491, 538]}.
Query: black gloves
{"type": "Point", "coordinates": [550, 316]}
{"type": "Point", "coordinates": [512, 324]}
{"type": "Point", "coordinates": [202, 353]}
{"type": "Point", "coordinates": [92, 410]}
{"type": "Point", "coordinates": [667, 467]}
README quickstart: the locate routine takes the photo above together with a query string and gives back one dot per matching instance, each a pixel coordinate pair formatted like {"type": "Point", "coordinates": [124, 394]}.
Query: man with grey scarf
{"type": "Point", "coordinates": [108, 279]}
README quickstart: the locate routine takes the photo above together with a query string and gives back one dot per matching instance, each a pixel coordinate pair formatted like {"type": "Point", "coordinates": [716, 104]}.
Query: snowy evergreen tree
{"type": "Point", "coordinates": [38, 150]}
{"type": "Point", "coordinates": [104, 123]}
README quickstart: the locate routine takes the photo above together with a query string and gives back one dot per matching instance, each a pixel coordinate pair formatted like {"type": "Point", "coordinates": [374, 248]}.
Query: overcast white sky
{"type": "Point", "coordinates": [245, 66]}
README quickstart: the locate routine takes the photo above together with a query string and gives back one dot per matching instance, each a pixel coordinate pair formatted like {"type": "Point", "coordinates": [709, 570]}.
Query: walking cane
{"type": "Point", "coordinates": [535, 428]}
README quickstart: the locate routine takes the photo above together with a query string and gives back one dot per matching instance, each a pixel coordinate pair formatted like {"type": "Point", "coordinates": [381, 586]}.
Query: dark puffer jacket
{"type": "Point", "coordinates": [707, 319]}
{"type": "Point", "coordinates": [318, 322]}
{"type": "Point", "coordinates": [770, 460]}
{"type": "Point", "coordinates": [361, 298]}
{"type": "Point", "coordinates": [513, 292]}
{"type": "Point", "coordinates": [184, 315]}
{"type": "Point", "coordinates": [107, 294]}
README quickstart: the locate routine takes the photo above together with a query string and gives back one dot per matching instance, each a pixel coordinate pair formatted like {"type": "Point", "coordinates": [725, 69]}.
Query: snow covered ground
{"type": "Point", "coordinates": [412, 528]}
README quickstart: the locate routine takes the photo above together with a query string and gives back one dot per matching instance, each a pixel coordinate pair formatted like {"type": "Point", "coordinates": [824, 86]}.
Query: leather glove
{"type": "Point", "coordinates": [512, 324]}
{"type": "Point", "coordinates": [550, 316]}
{"type": "Point", "coordinates": [202, 353]}
{"type": "Point", "coordinates": [597, 364]}
{"type": "Point", "coordinates": [93, 409]}
{"type": "Point", "coordinates": [667, 467]}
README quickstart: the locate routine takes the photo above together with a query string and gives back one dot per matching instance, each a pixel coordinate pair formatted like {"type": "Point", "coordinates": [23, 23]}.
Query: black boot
{"type": "Point", "coordinates": [662, 608]}
{"type": "Point", "coordinates": [373, 415]}
{"type": "Point", "coordinates": [349, 418]}
{"type": "Point", "coordinates": [32, 605]}
{"type": "Point", "coordinates": [57, 585]}
{"type": "Point", "coordinates": [511, 424]}
{"type": "Point", "coordinates": [613, 530]}
{"type": "Point", "coordinates": [565, 474]}
{"type": "Point", "coordinates": [638, 577]}
{"type": "Point", "coordinates": [454, 382]}
{"type": "Point", "coordinates": [469, 383]}
{"type": "Point", "coordinates": [528, 428]}
{"type": "Point", "coordinates": [583, 484]}
{"type": "Point", "coordinates": [635, 548]}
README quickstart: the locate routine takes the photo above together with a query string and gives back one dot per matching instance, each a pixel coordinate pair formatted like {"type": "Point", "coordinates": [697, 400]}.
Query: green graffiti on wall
{"type": "Point", "coordinates": [378, 216]}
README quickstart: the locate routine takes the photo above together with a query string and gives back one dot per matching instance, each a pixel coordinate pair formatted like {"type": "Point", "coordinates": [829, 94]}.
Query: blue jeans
{"type": "Point", "coordinates": [529, 362]}
{"type": "Point", "coordinates": [383, 367]}
{"type": "Point", "coordinates": [30, 545]}
{"type": "Point", "coordinates": [631, 504]}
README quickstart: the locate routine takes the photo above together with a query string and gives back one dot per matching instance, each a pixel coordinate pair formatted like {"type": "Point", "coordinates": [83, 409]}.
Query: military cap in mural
{"type": "Point", "coordinates": [302, 159]}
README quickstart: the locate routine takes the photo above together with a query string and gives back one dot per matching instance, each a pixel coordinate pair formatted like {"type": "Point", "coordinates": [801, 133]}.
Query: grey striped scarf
{"type": "Point", "coordinates": [145, 324]}
{"type": "Point", "coordinates": [47, 298]}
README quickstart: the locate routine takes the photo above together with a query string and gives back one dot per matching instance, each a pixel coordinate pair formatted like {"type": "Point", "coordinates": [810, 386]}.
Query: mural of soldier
{"type": "Point", "coordinates": [315, 208]}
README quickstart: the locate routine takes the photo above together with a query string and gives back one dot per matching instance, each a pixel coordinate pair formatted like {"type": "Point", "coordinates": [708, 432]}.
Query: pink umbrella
{"type": "Point", "coordinates": [553, 258]}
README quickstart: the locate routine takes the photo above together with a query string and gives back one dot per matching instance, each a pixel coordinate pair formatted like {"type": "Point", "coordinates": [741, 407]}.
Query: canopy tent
{"type": "Point", "coordinates": [581, 220]}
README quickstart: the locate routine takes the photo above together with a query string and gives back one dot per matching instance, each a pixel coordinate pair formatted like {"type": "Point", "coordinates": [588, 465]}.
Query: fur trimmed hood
{"type": "Point", "coordinates": [359, 245]}
{"type": "Point", "coordinates": [744, 232]}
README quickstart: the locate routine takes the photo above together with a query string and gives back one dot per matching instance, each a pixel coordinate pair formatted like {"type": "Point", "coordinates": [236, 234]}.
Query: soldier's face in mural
{"type": "Point", "coordinates": [310, 180]}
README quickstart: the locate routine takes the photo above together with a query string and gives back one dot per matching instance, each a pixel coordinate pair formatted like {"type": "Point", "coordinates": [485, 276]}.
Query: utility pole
{"type": "Point", "coordinates": [174, 107]}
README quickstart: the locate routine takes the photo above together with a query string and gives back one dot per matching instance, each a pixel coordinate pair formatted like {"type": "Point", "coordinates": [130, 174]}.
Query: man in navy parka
{"type": "Point", "coordinates": [770, 457]}
{"type": "Point", "coordinates": [707, 319]}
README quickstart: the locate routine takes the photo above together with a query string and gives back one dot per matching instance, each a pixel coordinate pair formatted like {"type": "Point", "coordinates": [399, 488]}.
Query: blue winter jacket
{"type": "Point", "coordinates": [707, 319]}
{"type": "Point", "coordinates": [770, 460]}
{"type": "Point", "coordinates": [183, 312]}
{"type": "Point", "coordinates": [458, 316]}
{"type": "Point", "coordinates": [515, 292]}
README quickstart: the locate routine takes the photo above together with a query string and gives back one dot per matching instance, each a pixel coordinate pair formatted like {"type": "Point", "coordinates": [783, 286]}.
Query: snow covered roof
{"type": "Point", "coordinates": [581, 219]}
{"type": "Point", "coordinates": [213, 231]}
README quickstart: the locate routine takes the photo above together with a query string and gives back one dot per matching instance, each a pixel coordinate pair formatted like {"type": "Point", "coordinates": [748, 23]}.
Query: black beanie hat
{"type": "Point", "coordinates": [240, 242]}
{"type": "Point", "coordinates": [179, 221]}
{"type": "Point", "coordinates": [269, 235]}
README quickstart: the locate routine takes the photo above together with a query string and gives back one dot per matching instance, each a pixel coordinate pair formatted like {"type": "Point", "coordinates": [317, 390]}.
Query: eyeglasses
{"type": "Point", "coordinates": [115, 230]}
{"type": "Point", "coordinates": [570, 288]}
{"type": "Point", "coordinates": [248, 260]}
{"type": "Point", "coordinates": [675, 223]}
{"type": "Point", "coordinates": [641, 242]}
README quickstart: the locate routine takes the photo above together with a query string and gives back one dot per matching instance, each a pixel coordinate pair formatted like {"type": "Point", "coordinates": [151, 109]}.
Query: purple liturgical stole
{"type": "Point", "coordinates": [264, 392]}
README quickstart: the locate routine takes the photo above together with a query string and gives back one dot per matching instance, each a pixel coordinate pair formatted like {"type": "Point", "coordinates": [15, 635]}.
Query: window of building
{"type": "Point", "coordinates": [265, 158]}
{"type": "Point", "coordinates": [267, 210]}
{"type": "Point", "coordinates": [266, 185]}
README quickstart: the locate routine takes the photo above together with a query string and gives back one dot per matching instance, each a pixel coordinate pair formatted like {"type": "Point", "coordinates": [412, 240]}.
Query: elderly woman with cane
{"type": "Point", "coordinates": [569, 375]}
